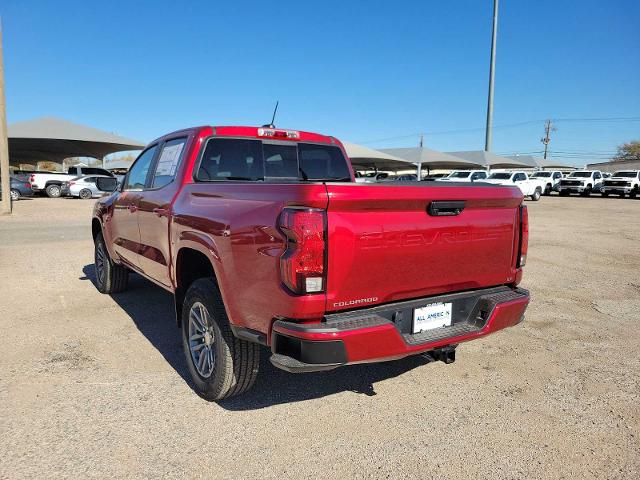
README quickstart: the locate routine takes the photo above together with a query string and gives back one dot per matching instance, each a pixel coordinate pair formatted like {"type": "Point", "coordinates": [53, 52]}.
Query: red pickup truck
{"type": "Point", "coordinates": [265, 239]}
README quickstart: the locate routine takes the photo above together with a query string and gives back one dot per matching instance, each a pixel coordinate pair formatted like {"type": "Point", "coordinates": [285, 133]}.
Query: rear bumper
{"type": "Point", "coordinates": [384, 332]}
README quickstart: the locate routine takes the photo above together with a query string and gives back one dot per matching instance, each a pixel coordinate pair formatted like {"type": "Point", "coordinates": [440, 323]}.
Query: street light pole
{"type": "Point", "coordinates": [487, 140]}
{"type": "Point", "coordinates": [4, 142]}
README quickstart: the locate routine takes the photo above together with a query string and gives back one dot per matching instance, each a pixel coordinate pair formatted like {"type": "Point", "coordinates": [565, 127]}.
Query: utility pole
{"type": "Point", "coordinates": [4, 142]}
{"type": "Point", "coordinates": [548, 128]}
{"type": "Point", "coordinates": [492, 67]}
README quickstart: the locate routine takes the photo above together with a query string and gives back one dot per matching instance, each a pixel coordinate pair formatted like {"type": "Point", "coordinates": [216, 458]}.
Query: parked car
{"type": "Point", "coordinates": [51, 183]}
{"type": "Point", "coordinates": [83, 187]}
{"type": "Point", "coordinates": [464, 176]}
{"type": "Point", "coordinates": [263, 238]}
{"type": "Point", "coordinates": [530, 187]}
{"type": "Point", "coordinates": [374, 177]}
{"type": "Point", "coordinates": [18, 189]}
{"type": "Point", "coordinates": [583, 182]}
{"type": "Point", "coordinates": [411, 177]}
{"type": "Point", "coordinates": [624, 182]}
{"type": "Point", "coordinates": [551, 178]}
{"type": "Point", "coordinates": [434, 176]}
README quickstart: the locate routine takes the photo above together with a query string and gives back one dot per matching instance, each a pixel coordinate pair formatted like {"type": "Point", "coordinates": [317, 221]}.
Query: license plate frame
{"type": "Point", "coordinates": [432, 316]}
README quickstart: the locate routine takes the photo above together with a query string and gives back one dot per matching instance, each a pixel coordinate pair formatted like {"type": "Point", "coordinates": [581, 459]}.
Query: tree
{"type": "Point", "coordinates": [628, 151]}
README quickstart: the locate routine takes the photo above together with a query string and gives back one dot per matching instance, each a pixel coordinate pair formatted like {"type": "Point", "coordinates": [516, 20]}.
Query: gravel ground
{"type": "Point", "coordinates": [96, 386]}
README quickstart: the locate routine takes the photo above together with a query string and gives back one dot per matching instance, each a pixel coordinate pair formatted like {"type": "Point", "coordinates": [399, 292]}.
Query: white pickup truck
{"type": "Point", "coordinates": [551, 178]}
{"type": "Point", "coordinates": [464, 176]}
{"type": "Point", "coordinates": [530, 187]}
{"type": "Point", "coordinates": [51, 183]}
{"type": "Point", "coordinates": [583, 182]}
{"type": "Point", "coordinates": [624, 182]}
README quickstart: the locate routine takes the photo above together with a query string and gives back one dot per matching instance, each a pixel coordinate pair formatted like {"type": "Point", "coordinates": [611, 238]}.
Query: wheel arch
{"type": "Point", "coordinates": [192, 262]}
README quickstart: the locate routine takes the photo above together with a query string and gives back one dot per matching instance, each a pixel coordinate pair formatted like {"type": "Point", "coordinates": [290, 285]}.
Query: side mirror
{"type": "Point", "coordinates": [105, 184]}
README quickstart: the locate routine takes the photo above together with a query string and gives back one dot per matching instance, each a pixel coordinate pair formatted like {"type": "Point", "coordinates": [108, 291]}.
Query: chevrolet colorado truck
{"type": "Point", "coordinates": [583, 182]}
{"type": "Point", "coordinates": [624, 182]}
{"type": "Point", "coordinates": [530, 187]}
{"type": "Point", "coordinates": [264, 238]}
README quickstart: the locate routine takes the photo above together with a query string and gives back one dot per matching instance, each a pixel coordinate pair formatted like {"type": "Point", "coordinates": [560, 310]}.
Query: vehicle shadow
{"type": "Point", "coordinates": [151, 309]}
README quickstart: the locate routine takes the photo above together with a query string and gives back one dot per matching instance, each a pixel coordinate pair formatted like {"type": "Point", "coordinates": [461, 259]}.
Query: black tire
{"type": "Point", "coordinates": [536, 195]}
{"type": "Point", "coordinates": [85, 193]}
{"type": "Point", "coordinates": [15, 195]}
{"type": "Point", "coordinates": [633, 194]}
{"type": "Point", "coordinates": [621, 194]}
{"type": "Point", "coordinates": [605, 194]}
{"type": "Point", "coordinates": [110, 277]}
{"type": "Point", "coordinates": [587, 191]}
{"type": "Point", "coordinates": [236, 362]}
{"type": "Point", "coordinates": [53, 191]}
{"type": "Point", "coordinates": [548, 189]}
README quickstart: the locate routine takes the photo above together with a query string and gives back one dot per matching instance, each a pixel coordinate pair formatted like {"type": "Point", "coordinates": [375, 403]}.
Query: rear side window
{"type": "Point", "coordinates": [253, 160]}
{"type": "Point", "coordinates": [73, 171]}
{"type": "Point", "coordinates": [168, 161]}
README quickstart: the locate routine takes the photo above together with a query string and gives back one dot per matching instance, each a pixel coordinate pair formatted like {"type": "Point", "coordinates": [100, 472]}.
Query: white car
{"type": "Point", "coordinates": [51, 183]}
{"type": "Point", "coordinates": [83, 187]}
{"type": "Point", "coordinates": [464, 176]}
{"type": "Point", "coordinates": [622, 183]}
{"type": "Point", "coordinates": [551, 178]}
{"type": "Point", "coordinates": [530, 187]}
{"type": "Point", "coordinates": [583, 182]}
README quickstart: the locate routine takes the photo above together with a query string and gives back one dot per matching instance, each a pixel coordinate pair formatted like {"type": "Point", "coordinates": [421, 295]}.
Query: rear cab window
{"type": "Point", "coordinates": [229, 159]}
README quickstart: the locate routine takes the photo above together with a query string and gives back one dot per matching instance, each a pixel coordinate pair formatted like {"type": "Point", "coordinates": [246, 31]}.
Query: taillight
{"type": "Point", "coordinates": [302, 265]}
{"type": "Point", "coordinates": [71, 183]}
{"type": "Point", "coordinates": [28, 185]}
{"type": "Point", "coordinates": [524, 236]}
{"type": "Point", "coordinates": [32, 178]}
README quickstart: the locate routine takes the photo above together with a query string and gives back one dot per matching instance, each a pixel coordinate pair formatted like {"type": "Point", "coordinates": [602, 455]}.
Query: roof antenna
{"type": "Point", "coordinates": [273, 118]}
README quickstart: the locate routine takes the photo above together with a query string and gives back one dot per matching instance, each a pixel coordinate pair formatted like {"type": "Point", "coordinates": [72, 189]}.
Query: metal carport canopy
{"type": "Point", "coordinates": [365, 157]}
{"type": "Point", "coordinates": [54, 139]}
{"type": "Point", "coordinates": [491, 160]}
{"type": "Point", "coordinates": [541, 162]}
{"type": "Point", "coordinates": [430, 158]}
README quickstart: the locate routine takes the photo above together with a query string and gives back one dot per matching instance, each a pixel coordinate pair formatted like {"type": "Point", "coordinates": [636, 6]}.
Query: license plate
{"type": "Point", "coordinates": [434, 315]}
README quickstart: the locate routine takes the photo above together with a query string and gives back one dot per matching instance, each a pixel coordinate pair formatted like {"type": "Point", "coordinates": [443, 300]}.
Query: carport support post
{"type": "Point", "coordinates": [4, 142]}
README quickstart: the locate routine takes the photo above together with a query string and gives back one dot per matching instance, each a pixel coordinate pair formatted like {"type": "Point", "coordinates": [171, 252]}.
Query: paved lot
{"type": "Point", "coordinates": [95, 385]}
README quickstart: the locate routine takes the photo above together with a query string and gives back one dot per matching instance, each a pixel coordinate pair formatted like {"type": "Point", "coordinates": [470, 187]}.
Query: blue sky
{"type": "Point", "coordinates": [377, 72]}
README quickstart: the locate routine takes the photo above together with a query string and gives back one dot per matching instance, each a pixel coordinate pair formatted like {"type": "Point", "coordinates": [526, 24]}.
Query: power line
{"type": "Point", "coordinates": [508, 125]}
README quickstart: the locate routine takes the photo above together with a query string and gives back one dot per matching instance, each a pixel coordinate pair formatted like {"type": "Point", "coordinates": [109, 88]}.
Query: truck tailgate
{"type": "Point", "coordinates": [384, 246]}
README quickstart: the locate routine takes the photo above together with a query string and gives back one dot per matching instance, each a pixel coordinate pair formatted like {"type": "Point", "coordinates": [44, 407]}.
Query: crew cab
{"type": "Point", "coordinates": [623, 182]}
{"type": "Point", "coordinates": [583, 182]}
{"type": "Point", "coordinates": [264, 239]}
{"type": "Point", "coordinates": [551, 178]}
{"type": "Point", "coordinates": [52, 183]}
{"type": "Point", "coordinates": [530, 187]}
{"type": "Point", "coordinates": [464, 176]}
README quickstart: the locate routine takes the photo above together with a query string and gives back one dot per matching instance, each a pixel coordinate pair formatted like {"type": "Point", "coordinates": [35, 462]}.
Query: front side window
{"type": "Point", "coordinates": [137, 177]}
{"type": "Point", "coordinates": [167, 164]}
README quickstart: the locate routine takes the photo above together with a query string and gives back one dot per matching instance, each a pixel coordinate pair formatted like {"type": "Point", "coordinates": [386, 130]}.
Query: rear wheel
{"type": "Point", "coordinates": [220, 364]}
{"type": "Point", "coordinates": [53, 191]}
{"type": "Point", "coordinates": [536, 195]}
{"type": "Point", "coordinates": [15, 195]}
{"type": "Point", "coordinates": [85, 193]}
{"type": "Point", "coordinates": [110, 277]}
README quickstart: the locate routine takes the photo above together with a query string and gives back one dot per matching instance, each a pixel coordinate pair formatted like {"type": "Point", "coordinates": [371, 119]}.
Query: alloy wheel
{"type": "Point", "coordinates": [201, 339]}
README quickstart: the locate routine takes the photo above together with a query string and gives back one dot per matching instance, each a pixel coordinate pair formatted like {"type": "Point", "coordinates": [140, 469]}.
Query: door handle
{"type": "Point", "coordinates": [161, 212]}
{"type": "Point", "coordinates": [446, 208]}
{"type": "Point", "coordinates": [133, 208]}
